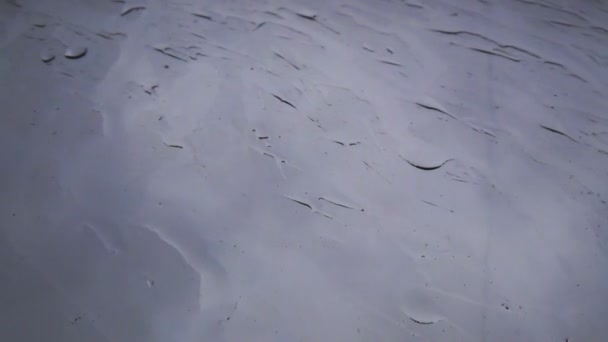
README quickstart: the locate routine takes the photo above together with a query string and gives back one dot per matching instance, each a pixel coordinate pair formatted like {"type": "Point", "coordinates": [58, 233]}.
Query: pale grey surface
{"type": "Point", "coordinates": [246, 170]}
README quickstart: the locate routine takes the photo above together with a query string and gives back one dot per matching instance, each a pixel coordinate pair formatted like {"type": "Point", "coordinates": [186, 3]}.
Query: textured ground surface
{"type": "Point", "coordinates": [303, 170]}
